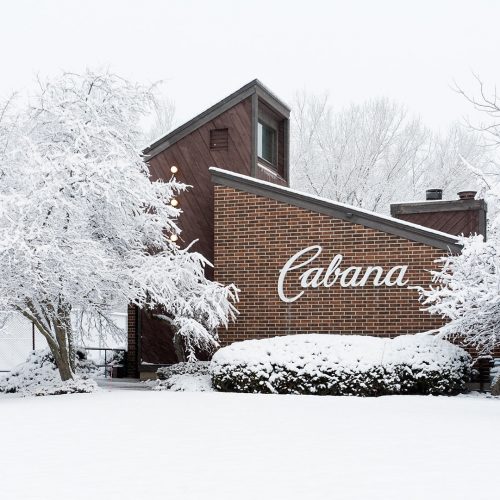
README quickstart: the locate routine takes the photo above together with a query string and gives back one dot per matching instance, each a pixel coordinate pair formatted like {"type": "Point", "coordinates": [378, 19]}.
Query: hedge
{"type": "Point", "coordinates": [342, 365]}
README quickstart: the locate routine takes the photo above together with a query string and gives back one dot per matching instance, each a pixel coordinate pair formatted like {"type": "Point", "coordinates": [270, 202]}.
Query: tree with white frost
{"type": "Point", "coordinates": [375, 153]}
{"type": "Point", "coordinates": [466, 289]}
{"type": "Point", "coordinates": [82, 226]}
{"type": "Point", "coordinates": [161, 121]}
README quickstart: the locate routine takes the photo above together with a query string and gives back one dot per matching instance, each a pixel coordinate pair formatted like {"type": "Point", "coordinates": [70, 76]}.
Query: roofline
{"type": "Point", "coordinates": [387, 224]}
{"type": "Point", "coordinates": [419, 207]}
{"type": "Point", "coordinates": [253, 87]}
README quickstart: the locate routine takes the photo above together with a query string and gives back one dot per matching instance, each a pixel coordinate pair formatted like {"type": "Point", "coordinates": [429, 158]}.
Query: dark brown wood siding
{"type": "Point", "coordinates": [457, 222]}
{"type": "Point", "coordinates": [464, 216]}
{"type": "Point", "coordinates": [270, 175]}
{"type": "Point", "coordinates": [193, 157]}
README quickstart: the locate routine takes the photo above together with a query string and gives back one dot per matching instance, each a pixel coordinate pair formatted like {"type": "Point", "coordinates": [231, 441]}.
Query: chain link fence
{"type": "Point", "coordinates": [19, 336]}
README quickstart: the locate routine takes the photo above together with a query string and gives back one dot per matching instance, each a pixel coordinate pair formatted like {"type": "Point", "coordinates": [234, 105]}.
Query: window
{"type": "Point", "coordinates": [219, 139]}
{"type": "Point", "coordinates": [266, 143]}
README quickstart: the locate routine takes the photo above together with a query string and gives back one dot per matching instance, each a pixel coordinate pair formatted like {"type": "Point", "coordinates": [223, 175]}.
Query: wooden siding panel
{"type": "Point", "coordinates": [193, 157]}
{"type": "Point", "coordinates": [270, 175]}
{"type": "Point", "coordinates": [239, 140]}
{"type": "Point", "coordinates": [453, 222]}
{"type": "Point", "coordinates": [188, 204]}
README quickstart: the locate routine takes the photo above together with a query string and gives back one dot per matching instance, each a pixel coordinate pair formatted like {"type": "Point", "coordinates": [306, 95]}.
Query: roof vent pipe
{"type": "Point", "coordinates": [434, 194]}
{"type": "Point", "coordinates": [467, 195]}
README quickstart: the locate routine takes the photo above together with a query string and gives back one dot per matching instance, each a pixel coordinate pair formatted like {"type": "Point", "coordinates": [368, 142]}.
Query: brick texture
{"type": "Point", "coordinates": [132, 347]}
{"type": "Point", "coordinates": [254, 238]}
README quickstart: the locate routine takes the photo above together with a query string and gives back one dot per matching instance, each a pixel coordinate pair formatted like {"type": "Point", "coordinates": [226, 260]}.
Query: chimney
{"type": "Point", "coordinates": [434, 194]}
{"type": "Point", "coordinates": [467, 195]}
{"type": "Point", "coordinates": [465, 216]}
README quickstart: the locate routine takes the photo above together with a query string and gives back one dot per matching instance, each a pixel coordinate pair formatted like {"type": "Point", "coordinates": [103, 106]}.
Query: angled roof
{"type": "Point", "coordinates": [385, 223]}
{"type": "Point", "coordinates": [253, 87]}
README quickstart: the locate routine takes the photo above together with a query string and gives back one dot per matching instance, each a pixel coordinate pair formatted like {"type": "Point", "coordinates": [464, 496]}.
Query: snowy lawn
{"type": "Point", "coordinates": [151, 445]}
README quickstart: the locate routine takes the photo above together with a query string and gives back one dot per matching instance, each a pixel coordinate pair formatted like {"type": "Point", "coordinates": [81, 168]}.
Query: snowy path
{"type": "Point", "coordinates": [149, 445]}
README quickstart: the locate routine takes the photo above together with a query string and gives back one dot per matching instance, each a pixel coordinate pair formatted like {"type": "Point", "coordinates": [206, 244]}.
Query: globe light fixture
{"type": "Point", "coordinates": [174, 202]}
{"type": "Point", "coordinates": [174, 237]}
{"type": "Point", "coordinates": [174, 169]}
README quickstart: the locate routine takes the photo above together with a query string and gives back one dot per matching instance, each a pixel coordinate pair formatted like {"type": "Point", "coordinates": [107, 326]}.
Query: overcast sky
{"type": "Point", "coordinates": [411, 51]}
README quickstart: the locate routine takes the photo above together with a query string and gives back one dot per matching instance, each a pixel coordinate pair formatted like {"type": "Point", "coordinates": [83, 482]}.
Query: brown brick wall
{"type": "Point", "coordinates": [255, 236]}
{"type": "Point", "coordinates": [132, 347]}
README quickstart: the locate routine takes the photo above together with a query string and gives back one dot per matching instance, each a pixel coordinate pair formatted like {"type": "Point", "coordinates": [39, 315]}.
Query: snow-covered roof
{"type": "Point", "coordinates": [356, 215]}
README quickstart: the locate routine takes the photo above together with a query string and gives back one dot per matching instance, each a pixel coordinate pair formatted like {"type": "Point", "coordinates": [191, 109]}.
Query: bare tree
{"type": "Point", "coordinates": [451, 154]}
{"type": "Point", "coordinates": [487, 103]}
{"type": "Point", "coordinates": [466, 288]}
{"type": "Point", "coordinates": [162, 120]}
{"type": "Point", "coordinates": [375, 153]}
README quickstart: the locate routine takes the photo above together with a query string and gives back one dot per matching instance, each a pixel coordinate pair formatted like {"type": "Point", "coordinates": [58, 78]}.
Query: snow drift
{"type": "Point", "coordinates": [342, 365]}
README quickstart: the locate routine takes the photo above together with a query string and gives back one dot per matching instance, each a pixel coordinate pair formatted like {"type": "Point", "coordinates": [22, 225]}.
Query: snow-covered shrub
{"type": "Point", "coordinates": [192, 376]}
{"type": "Point", "coordinates": [39, 376]}
{"type": "Point", "coordinates": [342, 365]}
{"type": "Point", "coordinates": [117, 358]}
{"type": "Point", "coordinates": [190, 368]}
{"type": "Point", "coordinates": [495, 378]}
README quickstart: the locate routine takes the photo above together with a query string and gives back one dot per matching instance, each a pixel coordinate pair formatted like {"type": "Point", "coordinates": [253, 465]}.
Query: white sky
{"type": "Point", "coordinates": [408, 50]}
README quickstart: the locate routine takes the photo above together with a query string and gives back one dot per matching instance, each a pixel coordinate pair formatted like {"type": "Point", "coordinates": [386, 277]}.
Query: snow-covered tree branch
{"type": "Point", "coordinates": [375, 153]}
{"type": "Point", "coordinates": [82, 227]}
{"type": "Point", "coordinates": [466, 291]}
{"type": "Point", "coordinates": [160, 121]}
{"type": "Point", "coordinates": [487, 102]}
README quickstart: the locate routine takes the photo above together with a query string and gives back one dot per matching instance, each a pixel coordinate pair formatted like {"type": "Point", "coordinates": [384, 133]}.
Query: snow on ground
{"type": "Point", "coordinates": [181, 445]}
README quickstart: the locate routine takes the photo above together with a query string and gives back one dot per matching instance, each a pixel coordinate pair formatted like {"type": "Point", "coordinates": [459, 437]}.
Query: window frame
{"type": "Point", "coordinates": [271, 124]}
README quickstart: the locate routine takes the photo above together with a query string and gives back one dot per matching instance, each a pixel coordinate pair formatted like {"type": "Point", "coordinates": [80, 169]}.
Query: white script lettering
{"type": "Point", "coordinates": [353, 276]}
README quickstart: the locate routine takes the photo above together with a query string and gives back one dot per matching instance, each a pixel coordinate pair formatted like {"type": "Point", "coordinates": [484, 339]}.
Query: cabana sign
{"type": "Point", "coordinates": [352, 276]}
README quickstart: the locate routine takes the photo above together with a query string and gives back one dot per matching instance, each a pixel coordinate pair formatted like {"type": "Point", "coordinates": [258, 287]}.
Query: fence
{"type": "Point", "coordinates": [19, 336]}
{"type": "Point", "coordinates": [110, 360]}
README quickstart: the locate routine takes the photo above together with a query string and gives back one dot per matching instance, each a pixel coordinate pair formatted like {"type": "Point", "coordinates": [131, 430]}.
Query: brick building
{"type": "Point", "coordinates": [302, 263]}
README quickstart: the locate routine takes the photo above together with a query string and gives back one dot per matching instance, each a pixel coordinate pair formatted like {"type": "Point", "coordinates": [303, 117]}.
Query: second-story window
{"type": "Point", "coordinates": [266, 143]}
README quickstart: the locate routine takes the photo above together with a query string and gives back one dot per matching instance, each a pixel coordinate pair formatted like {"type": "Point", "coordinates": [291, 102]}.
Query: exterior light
{"type": "Point", "coordinates": [174, 169]}
{"type": "Point", "coordinates": [174, 202]}
{"type": "Point", "coordinates": [174, 237]}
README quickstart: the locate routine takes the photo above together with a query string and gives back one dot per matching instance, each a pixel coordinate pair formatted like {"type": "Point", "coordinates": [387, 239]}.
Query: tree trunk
{"type": "Point", "coordinates": [66, 359]}
{"type": "Point", "coordinates": [179, 348]}
{"type": "Point", "coordinates": [58, 333]}
{"type": "Point", "coordinates": [63, 365]}
{"type": "Point", "coordinates": [495, 386]}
